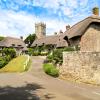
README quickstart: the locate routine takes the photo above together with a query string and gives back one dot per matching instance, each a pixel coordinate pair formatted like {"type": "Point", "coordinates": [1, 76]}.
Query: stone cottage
{"type": "Point", "coordinates": [83, 65]}
{"type": "Point", "coordinates": [17, 44]}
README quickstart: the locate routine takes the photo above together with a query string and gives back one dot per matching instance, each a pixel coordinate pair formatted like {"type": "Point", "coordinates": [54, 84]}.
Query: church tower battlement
{"type": "Point", "coordinates": [40, 30]}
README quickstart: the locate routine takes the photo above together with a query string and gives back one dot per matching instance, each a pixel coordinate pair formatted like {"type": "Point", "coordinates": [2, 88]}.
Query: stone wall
{"type": "Point", "coordinates": [81, 66]}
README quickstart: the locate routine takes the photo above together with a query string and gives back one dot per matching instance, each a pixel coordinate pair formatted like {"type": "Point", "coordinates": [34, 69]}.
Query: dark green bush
{"type": "Point", "coordinates": [30, 51]}
{"type": "Point", "coordinates": [49, 58]}
{"type": "Point", "coordinates": [50, 69]}
{"type": "Point", "coordinates": [56, 56]}
{"type": "Point", "coordinates": [9, 51]}
{"type": "Point", "coordinates": [8, 54]}
{"type": "Point", "coordinates": [3, 62]}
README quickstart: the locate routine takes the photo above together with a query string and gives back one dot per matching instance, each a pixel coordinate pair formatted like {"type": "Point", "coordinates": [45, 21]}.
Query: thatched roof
{"type": "Point", "coordinates": [76, 30]}
{"type": "Point", "coordinates": [54, 40]}
{"type": "Point", "coordinates": [79, 28]}
{"type": "Point", "coordinates": [13, 42]}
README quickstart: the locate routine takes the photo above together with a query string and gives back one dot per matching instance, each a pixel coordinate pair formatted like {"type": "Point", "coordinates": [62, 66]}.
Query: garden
{"type": "Point", "coordinates": [9, 62]}
{"type": "Point", "coordinates": [7, 55]}
{"type": "Point", "coordinates": [18, 64]}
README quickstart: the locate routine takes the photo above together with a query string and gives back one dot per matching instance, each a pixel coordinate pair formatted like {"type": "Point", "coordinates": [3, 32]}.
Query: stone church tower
{"type": "Point", "coordinates": [40, 30]}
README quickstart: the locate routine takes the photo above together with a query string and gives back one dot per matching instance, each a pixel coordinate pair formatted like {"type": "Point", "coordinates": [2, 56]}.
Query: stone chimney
{"type": "Point", "coordinates": [67, 27]}
{"type": "Point", "coordinates": [95, 11]}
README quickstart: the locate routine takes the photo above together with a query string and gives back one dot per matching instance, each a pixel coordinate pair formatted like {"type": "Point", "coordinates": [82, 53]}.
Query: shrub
{"type": "Point", "coordinates": [44, 53]}
{"type": "Point", "coordinates": [7, 58]}
{"type": "Point", "coordinates": [56, 57]}
{"type": "Point", "coordinates": [50, 69]}
{"type": "Point", "coordinates": [3, 62]}
{"type": "Point", "coordinates": [36, 53]}
{"type": "Point", "coordinates": [49, 58]}
{"type": "Point", "coordinates": [9, 51]}
{"type": "Point", "coordinates": [30, 51]}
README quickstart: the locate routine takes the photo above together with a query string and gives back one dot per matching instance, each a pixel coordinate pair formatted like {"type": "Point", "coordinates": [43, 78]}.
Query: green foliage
{"type": "Point", "coordinates": [30, 51]}
{"type": "Point", "coordinates": [69, 49]}
{"type": "Point", "coordinates": [56, 56]}
{"type": "Point", "coordinates": [3, 62]}
{"type": "Point", "coordinates": [51, 70]}
{"type": "Point", "coordinates": [36, 51]}
{"type": "Point", "coordinates": [9, 52]}
{"type": "Point", "coordinates": [30, 39]}
{"type": "Point", "coordinates": [44, 53]}
{"type": "Point", "coordinates": [7, 58]}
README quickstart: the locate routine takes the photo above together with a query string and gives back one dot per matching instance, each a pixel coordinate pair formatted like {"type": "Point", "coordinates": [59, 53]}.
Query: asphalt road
{"type": "Point", "coordinates": [36, 85]}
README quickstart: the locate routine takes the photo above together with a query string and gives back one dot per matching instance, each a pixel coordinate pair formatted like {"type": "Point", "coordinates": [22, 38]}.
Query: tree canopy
{"type": "Point", "coordinates": [30, 39]}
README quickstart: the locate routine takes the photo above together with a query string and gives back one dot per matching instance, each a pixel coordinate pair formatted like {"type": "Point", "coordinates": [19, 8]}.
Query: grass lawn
{"type": "Point", "coordinates": [16, 65]}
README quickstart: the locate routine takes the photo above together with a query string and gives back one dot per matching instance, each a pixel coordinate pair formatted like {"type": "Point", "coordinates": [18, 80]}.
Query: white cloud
{"type": "Point", "coordinates": [83, 3]}
{"type": "Point", "coordinates": [49, 3]}
{"type": "Point", "coordinates": [15, 24]}
{"type": "Point", "coordinates": [67, 11]}
{"type": "Point", "coordinates": [72, 3]}
{"type": "Point", "coordinates": [21, 24]}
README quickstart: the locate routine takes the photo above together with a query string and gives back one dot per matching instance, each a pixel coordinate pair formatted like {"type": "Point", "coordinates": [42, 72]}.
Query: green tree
{"type": "Point", "coordinates": [30, 39]}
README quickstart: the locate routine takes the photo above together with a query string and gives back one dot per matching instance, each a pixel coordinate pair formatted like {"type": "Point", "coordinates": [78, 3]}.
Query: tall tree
{"type": "Point", "coordinates": [30, 39]}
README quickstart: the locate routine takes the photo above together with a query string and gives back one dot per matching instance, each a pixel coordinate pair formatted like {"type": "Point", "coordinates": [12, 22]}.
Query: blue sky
{"type": "Point", "coordinates": [17, 17]}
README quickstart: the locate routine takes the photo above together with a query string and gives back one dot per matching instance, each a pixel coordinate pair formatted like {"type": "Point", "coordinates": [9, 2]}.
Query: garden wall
{"type": "Point", "coordinates": [81, 66]}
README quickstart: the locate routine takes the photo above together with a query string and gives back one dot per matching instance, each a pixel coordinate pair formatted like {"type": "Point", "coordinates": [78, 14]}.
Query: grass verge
{"type": "Point", "coordinates": [50, 69]}
{"type": "Point", "coordinates": [16, 65]}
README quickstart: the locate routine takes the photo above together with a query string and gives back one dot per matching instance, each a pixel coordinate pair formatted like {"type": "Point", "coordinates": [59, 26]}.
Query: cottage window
{"type": "Point", "coordinates": [43, 43]}
{"type": "Point", "coordinates": [19, 45]}
{"type": "Point", "coordinates": [13, 45]}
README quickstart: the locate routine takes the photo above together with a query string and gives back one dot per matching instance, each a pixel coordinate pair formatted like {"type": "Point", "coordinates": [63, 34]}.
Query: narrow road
{"type": "Point", "coordinates": [36, 85]}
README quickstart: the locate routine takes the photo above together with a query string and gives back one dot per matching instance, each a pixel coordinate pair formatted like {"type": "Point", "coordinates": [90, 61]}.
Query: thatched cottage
{"type": "Point", "coordinates": [83, 65]}
{"type": "Point", "coordinates": [17, 44]}
{"type": "Point", "coordinates": [54, 40]}
{"type": "Point", "coordinates": [84, 34]}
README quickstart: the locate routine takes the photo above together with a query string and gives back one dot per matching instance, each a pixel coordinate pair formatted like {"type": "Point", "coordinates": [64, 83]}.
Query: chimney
{"type": "Point", "coordinates": [95, 11]}
{"type": "Point", "coordinates": [21, 37]}
{"type": "Point", "coordinates": [67, 27]}
{"type": "Point", "coordinates": [60, 32]}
